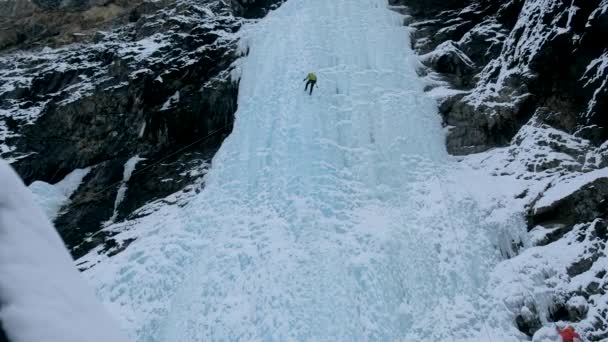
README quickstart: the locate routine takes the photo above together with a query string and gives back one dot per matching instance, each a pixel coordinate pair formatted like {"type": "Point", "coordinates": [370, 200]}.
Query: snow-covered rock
{"type": "Point", "coordinates": [545, 334]}
{"type": "Point", "coordinates": [537, 91]}
{"type": "Point", "coordinates": [520, 49]}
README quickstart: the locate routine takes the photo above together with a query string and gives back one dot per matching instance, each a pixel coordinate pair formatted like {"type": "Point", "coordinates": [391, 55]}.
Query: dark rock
{"type": "Point", "coordinates": [581, 266]}
{"type": "Point", "coordinates": [3, 337]}
{"type": "Point", "coordinates": [155, 179]}
{"type": "Point", "coordinates": [600, 229]}
{"type": "Point", "coordinates": [508, 13]}
{"type": "Point", "coordinates": [483, 42]}
{"type": "Point", "coordinates": [593, 288]}
{"type": "Point", "coordinates": [112, 247]}
{"type": "Point", "coordinates": [593, 133]}
{"type": "Point", "coordinates": [256, 8]}
{"type": "Point", "coordinates": [90, 206]}
{"type": "Point", "coordinates": [542, 64]}
{"type": "Point", "coordinates": [558, 312]}
{"type": "Point", "coordinates": [450, 60]}
{"type": "Point", "coordinates": [522, 195]}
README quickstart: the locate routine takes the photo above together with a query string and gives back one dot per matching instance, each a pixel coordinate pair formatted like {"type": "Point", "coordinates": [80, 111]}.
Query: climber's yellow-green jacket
{"type": "Point", "coordinates": [311, 77]}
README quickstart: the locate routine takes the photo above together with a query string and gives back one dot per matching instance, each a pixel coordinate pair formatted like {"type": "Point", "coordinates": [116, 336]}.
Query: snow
{"type": "Point", "coordinates": [537, 277]}
{"type": "Point", "coordinates": [490, 28]}
{"type": "Point", "coordinates": [600, 66]}
{"type": "Point", "coordinates": [538, 233]}
{"type": "Point", "coordinates": [535, 33]}
{"type": "Point", "coordinates": [546, 334]}
{"type": "Point", "coordinates": [43, 296]}
{"type": "Point", "coordinates": [567, 187]}
{"type": "Point", "coordinates": [601, 9]}
{"type": "Point", "coordinates": [446, 48]}
{"type": "Point", "coordinates": [207, 11]}
{"type": "Point", "coordinates": [144, 48]}
{"type": "Point", "coordinates": [173, 99]}
{"type": "Point", "coordinates": [142, 130]}
{"type": "Point", "coordinates": [51, 197]}
{"type": "Point", "coordinates": [336, 216]}
{"type": "Point", "coordinates": [543, 150]}
{"type": "Point", "coordinates": [443, 92]}
{"type": "Point", "coordinates": [126, 176]}
{"type": "Point", "coordinates": [577, 302]}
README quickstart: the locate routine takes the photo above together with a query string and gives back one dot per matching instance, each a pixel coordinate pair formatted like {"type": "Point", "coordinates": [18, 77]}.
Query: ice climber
{"type": "Point", "coordinates": [568, 334]}
{"type": "Point", "coordinates": [312, 80]}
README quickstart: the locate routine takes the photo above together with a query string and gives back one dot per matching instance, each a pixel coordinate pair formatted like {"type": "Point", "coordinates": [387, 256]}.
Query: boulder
{"type": "Point", "coordinates": [577, 307]}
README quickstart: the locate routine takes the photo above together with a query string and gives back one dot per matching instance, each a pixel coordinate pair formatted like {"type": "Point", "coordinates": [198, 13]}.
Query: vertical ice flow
{"type": "Point", "coordinates": [325, 217]}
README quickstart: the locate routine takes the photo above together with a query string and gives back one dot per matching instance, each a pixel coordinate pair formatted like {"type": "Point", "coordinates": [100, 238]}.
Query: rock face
{"type": "Point", "coordinates": [159, 86]}
{"type": "Point", "coordinates": [531, 78]}
{"type": "Point", "coordinates": [513, 59]}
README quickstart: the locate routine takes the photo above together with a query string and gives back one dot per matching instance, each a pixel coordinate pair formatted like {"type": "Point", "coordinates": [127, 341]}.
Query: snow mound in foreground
{"type": "Point", "coordinates": [43, 296]}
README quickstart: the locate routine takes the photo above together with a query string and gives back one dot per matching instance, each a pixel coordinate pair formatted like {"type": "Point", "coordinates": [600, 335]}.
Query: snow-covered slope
{"type": "Point", "coordinates": [42, 295]}
{"type": "Point", "coordinates": [336, 216]}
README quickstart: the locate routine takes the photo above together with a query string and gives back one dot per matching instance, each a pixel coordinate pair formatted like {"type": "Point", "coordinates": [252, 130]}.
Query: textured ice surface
{"type": "Point", "coordinates": [332, 217]}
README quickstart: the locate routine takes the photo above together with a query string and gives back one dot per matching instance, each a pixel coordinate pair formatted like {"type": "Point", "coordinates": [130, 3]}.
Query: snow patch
{"type": "Point", "coordinates": [172, 100]}
{"type": "Point", "coordinates": [142, 130]}
{"type": "Point", "coordinates": [596, 70]}
{"type": "Point", "coordinates": [126, 176]}
{"type": "Point", "coordinates": [443, 92]}
{"type": "Point", "coordinates": [144, 48]}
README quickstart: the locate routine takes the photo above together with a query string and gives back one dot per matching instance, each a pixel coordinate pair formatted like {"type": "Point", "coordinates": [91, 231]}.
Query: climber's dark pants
{"type": "Point", "coordinates": [312, 84]}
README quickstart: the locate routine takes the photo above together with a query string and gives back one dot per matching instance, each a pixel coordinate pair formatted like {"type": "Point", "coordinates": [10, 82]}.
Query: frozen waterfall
{"type": "Point", "coordinates": [331, 217]}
